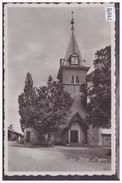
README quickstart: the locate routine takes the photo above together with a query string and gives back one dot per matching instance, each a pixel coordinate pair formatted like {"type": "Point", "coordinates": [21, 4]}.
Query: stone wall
{"type": "Point", "coordinates": [93, 136]}
{"type": "Point", "coordinates": [57, 137]}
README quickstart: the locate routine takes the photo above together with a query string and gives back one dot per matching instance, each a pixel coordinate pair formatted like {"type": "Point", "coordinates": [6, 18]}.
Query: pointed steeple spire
{"type": "Point", "coordinates": [73, 46]}
{"type": "Point", "coordinates": [72, 22]}
{"type": "Point", "coordinates": [72, 29]}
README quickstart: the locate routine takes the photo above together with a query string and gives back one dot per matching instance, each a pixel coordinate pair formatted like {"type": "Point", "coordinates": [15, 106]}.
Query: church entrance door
{"type": "Point", "coordinates": [74, 136]}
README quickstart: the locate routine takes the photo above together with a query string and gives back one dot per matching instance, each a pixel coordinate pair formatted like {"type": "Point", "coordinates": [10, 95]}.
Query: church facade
{"type": "Point", "coordinates": [72, 73]}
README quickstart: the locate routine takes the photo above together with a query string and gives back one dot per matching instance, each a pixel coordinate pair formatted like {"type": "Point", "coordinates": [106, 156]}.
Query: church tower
{"type": "Point", "coordinates": [72, 73]}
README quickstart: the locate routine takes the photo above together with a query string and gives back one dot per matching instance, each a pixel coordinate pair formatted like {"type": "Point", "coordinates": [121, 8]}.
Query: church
{"type": "Point", "coordinates": [72, 73]}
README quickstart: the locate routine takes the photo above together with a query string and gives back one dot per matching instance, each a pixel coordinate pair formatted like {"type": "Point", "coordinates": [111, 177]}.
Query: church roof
{"type": "Point", "coordinates": [73, 48]}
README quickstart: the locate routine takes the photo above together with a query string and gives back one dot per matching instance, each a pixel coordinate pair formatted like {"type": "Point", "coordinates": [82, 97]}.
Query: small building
{"type": "Point", "coordinates": [14, 135]}
{"type": "Point", "coordinates": [105, 137]}
{"type": "Point", "coordinates": [99, 136]}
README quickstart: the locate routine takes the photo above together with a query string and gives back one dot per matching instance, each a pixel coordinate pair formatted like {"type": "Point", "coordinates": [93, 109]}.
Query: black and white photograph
{"type": "Point", "coordinates": [59, 89]}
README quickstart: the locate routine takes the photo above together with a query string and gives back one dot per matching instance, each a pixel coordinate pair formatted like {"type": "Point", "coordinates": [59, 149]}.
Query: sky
{"type": "Point", "coordinates": [38, 37]}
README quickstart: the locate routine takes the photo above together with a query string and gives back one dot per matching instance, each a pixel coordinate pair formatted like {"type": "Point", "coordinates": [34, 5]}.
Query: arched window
{"type": "Point", "coordinates": [72, 79]}
{"type": "Point", "coordinates": [77, 79]}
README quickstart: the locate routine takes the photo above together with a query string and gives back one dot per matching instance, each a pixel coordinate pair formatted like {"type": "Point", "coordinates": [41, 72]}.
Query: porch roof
{"type": "Point", "coordinates": [78, 119]}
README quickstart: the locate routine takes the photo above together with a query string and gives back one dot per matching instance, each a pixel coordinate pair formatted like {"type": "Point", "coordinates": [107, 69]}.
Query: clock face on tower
{"type": "Point", "coordinates": [74, 59]}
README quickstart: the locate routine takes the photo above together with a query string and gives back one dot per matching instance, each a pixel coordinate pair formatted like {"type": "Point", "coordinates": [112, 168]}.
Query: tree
{"type": "Point", "coordinates": [53, 105]}
{"type": "Point", "coordinates": [45, 108]}
{"type": "Point", "coordinates": [26, 103]}
{"type": "Point", "coordinates": [96, 91]}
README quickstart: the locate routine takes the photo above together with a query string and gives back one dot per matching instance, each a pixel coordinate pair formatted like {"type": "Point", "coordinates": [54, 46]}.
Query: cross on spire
{"type": "Point", "coordinates": [72, 22]}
